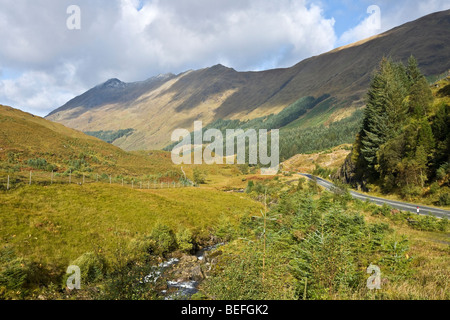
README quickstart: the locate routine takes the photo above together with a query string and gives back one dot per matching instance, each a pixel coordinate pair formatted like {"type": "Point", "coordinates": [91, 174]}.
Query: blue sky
{"type": "Point", "coordinates": [43, 64]}
{"type": "Point", "coordinates": [347, 14]}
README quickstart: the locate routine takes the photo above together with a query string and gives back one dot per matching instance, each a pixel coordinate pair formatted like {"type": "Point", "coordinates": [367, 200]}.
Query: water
{"type": "Point", "coordinates": [183, 290]}
{"type": "Point", "coordinates": [159, 270]}
{"type": "Point", "coordinates": [200, 254]}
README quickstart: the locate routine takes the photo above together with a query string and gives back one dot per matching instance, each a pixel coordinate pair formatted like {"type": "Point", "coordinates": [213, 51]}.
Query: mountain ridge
{"type": "Point", "coordinates": [154, 108]}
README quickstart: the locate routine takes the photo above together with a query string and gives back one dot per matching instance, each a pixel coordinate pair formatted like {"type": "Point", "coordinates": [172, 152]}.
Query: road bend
{"type": "Point", "coordinates": [403, 206]}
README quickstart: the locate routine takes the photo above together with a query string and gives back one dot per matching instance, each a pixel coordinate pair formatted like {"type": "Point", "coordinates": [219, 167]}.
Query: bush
{"type": "Point", "coordinates": [408, 192]}
{"type": "Point", "coordinates": [443, 224]}
{"type": "Point", "coordinates": [427, 223]}
{"type": "Point", "coordinates": [250, 186]}
{"type": "Point", "coordinates": [224, 230]}
{"type": "Point", "coordinates": [243, 168]}
{"type": "Point", "coordinates": [238, 277]}
{"type": "Point", "coordinates": [134, 281]}
{"type": "Point", "coordinates": [18, 276]}
{"type": "Point", "coordinates": [396, 256]}
{"type": "Point", "coordinates": [40, 164]}
{"type": "Point", "coordinates": [434, 188]}
{"type": "Point", "coordinates": [139, 249]}
{"type": "Point", "coordinates": [444, 200]}
{"type": "Point", "coordinates": [199, 176]}
{"type": "Point", "coordinates": [385, 210]}
{"type": "Point", "coordinates": [92, 267]}
{"type": "Point", "coordinates": [300, 185]}
{"type": "Point", "coordinates": [185, 240]}
{"type": "Point", "coordinates": [164, 240]}
{"type": "Point", "coordinates": [79, 165]}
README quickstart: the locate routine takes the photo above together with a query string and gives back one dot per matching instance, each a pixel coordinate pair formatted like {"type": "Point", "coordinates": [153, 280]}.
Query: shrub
{"type": "Point", "coordinates": [434, 188]}
{"type": "Point", "coordinates": [250, 186]}
{"type": "Point", "coordinates": [92, 267]}
{"type": "Point", "coordinates": [139, 249]}
{"type": "Point", "coordinates": [199, 176]}
{"type": "Point", "coordinates": [385, 210]}
{"type": "Point", "coordinates": [408, 192]}
{"type": "Point", "coordinates": [224, 230]}
{"type": "Point", "coordinates": [243, 168]}
{"type": "Point", "coordinates": [185, 240]}
{"type": "Point", "coordinates": [134, 281]}
{"type": "Point", "coordinates": [313, 185]}
{"type": "Point", "coordinates": [164, 239]}
{"type": "Point", "coordinates": [444, 200]}
{"type": "Point", "coordinates": [396, 256]}
{"type": "Point", "coordinates": [237, 277]}
{"type": "Point", "coordinates": [443, 224]}
{"type": "Point", "coordinates": [40, 164]}
{"type": "Point", "coordinates": [300, 185]}
{"type": "Point", "coordinates": [427, 223]}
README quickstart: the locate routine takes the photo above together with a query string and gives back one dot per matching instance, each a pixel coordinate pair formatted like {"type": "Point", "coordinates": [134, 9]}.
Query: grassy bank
{"type": "Point", "coordinates": [319, 245]}
{"type": "Point", "coordinates": [54, 225]}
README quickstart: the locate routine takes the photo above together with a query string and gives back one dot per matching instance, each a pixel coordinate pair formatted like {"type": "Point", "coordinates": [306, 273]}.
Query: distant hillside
{"type": "Point", "coordinates": [154, 108]}
{"type": "Point", "coordinates": [27, 140]}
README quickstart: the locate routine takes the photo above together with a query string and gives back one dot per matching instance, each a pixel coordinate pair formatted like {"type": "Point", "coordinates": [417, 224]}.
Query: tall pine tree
{"type": "Point", "coordinates": [384, 112]}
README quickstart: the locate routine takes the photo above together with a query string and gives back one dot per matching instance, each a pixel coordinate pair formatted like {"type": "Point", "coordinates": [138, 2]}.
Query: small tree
{"type": "Point", "coordinates": [199, 176]}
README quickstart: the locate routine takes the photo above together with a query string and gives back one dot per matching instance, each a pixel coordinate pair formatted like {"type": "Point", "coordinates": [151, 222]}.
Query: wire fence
{"type": "Point", "coordinates": [9, 181]}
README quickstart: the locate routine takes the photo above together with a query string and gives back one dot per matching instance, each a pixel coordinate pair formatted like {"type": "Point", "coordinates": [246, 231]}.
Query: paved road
{"type": "Point", "coordinates": [380, 201]}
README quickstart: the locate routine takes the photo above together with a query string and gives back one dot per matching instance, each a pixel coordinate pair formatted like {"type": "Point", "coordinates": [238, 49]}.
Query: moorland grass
{"type": "Point", "coordinates": [56, 224]}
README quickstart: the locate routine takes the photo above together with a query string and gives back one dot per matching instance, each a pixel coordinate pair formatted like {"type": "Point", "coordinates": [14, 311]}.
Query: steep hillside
{"type": "Point", "coordinates": [154, 108]}
{"type": "Point", "coordinates": [25, 137]}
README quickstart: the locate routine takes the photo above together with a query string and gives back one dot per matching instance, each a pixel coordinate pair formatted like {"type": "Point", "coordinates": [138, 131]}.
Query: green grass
{"type": "Point", "coordinates": [56, 224]}
{"type": "Point", "coordinates": [24, 137]}
{"type": "Point", "coordinates": [330, 239]}
{"type": "Point", "coordinates": [317, 116]}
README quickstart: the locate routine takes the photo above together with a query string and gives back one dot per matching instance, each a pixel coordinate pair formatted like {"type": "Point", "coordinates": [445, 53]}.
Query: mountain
{"type": "Point", "coordinates": [155, 107]}
{"type": "Point", "coordinates": [25, 139]}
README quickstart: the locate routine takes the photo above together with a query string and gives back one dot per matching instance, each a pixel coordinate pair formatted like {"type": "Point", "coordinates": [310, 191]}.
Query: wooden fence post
{"type": "Point", "coordinates": [70, 177]}
{"type": "Point", "coordinates": [7, 185]}
{"type": "Point", "coordinates": [30, 178]}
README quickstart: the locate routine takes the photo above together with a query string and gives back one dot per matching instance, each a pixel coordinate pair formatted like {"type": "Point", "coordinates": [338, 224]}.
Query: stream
{"type": "Point", "coordinates": [182, 275]}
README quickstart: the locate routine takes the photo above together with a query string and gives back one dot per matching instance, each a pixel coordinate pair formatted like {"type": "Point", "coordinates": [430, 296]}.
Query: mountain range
{"type": "Point", "coordinates": [148, 111]}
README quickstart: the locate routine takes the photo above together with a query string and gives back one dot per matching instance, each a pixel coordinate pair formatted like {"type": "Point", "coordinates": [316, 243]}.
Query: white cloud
{"type": "Point", "coordinates": [369, 27]}
{"type": "Point", "coordinates": [38, 92]}
{"type": "Point", "coordinates": [123, 39]}
{"type": "Point", "coordinates": [118, 40]}
{"type": "Point", "coordinates": [392, 14]}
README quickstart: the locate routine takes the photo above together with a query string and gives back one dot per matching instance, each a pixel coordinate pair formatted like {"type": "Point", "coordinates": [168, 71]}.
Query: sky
{"type": "Point", "coordinates": [49, 54]}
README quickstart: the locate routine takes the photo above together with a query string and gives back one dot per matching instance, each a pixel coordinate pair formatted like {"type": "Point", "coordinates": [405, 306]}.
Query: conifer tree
{"type": "Point", "coordinates": [384, 113]}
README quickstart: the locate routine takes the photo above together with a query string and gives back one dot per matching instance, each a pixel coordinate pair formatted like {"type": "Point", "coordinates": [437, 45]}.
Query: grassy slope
{"type": "Point", "coordinates": [306, 163]}
{"type": "Point", "coordinates": [54, 225]}
{"type": "Point", "coordinates": [29, 137]}
{"type": "Point", "coordinates": [428, 270]}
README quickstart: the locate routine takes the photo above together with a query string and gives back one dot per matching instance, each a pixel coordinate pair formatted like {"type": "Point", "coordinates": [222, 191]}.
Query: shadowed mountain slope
{"type": "Point", "coordinates": [155, 107]}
